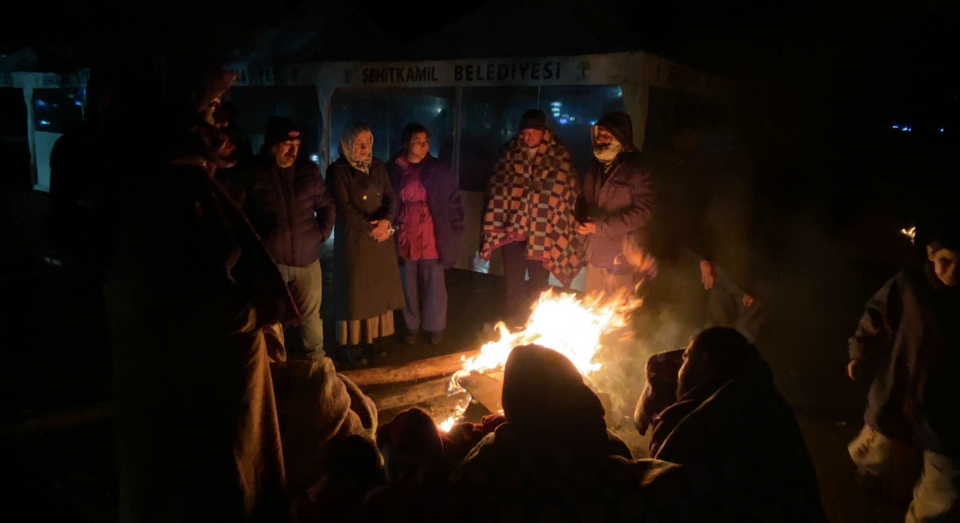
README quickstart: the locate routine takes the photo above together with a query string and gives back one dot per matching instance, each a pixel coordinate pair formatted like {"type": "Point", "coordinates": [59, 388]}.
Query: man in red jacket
{"type": "Point", "coordinates": [290, 208]}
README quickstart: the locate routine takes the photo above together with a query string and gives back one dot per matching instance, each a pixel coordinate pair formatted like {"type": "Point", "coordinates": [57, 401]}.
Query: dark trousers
{"type": "Point", "coordinates": [425, 289]}
{"type": "Point", "coordinates": [521, 292]}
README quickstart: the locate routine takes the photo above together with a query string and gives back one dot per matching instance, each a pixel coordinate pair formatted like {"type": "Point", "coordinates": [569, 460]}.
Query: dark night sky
{"type": "Point", "coordinates": [865, 62]}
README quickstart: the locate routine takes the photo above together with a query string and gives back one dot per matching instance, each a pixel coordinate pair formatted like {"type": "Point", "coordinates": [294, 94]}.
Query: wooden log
{"type": "Point", "coordinates": [57, 420]}
{"type": "Point", "coordinates": [485, 389]}
{"type": "Point", "coordinates": [411, 395]}
{"type": "Point", "coordinates": [417, 370]}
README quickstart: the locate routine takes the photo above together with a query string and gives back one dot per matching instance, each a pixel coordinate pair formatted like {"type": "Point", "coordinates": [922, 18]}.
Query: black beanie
{"type": "Point", "coordinates": [533, 119]}
{"type": "Point", "coordinates": [280, 129]}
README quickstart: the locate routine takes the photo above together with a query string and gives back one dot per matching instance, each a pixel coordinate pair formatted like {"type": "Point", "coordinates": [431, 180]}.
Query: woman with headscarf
{"type": "Point", "coordinates": [366, 283]}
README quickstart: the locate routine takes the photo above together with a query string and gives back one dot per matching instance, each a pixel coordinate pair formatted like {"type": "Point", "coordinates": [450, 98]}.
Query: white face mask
{"type": "Point", "coordinates": [609, 153]}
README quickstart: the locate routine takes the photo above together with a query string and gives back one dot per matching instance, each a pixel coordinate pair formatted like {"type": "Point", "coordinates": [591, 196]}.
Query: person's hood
{"type": "Point", "coordinates": [544, 397]}
{"type": "Point", "coordinates": [620, 126]}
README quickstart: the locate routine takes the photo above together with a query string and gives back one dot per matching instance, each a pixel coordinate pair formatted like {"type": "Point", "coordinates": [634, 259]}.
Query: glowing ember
{"type": "Point", "coordinates": [910, 233]}
{"type": "Point", "coordinates": [562, 322]}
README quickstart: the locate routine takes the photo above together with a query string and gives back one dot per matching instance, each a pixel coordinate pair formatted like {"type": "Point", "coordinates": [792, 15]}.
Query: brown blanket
{"type": "Point", "coordinates": [315, 406]}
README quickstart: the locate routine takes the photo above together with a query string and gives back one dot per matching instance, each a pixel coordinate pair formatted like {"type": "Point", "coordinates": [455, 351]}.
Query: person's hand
{"type": "Point", "coordinates": [381, 230]}
{"type": "Point", "coordinates": [707, 277]}
{"type": "Point", "coordinates": [587, 228]}
{"type": "Point", "coordinates": [485, 254]}
{"type": "Point", "coordinates": [747, 300]}
{"type": "Point", "coordinates": [852, 369]}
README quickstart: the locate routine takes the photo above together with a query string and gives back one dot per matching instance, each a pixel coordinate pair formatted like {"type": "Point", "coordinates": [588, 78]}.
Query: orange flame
{"type": "Point", "coordinates": [559, 321]}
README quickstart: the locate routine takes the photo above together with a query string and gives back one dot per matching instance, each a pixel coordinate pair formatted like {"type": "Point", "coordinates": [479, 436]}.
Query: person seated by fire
{"type": "Point", "coordinates": [553, 459]}
{"type": "Point", "coordinates": [714, 408]}
{"type": "Point", "coordinates": [906, 348]}
{"type": "Point", "coordinates": [353, 470]}
{"type": "Point", "coordinates": [530, 215]}
{"type": "Point", "coordinates": [614, 209]}
{"type": "Point", "coordinates": [429, 231]}
{"type": "Point", "coordinates": [366, 282]}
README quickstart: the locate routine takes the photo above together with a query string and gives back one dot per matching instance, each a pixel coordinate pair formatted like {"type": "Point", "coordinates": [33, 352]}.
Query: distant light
{"type": "Point", "coordinates": [555, 104]}
{"type": "Point", "coordinates": [44, 122]}
{"type": "Point", "coordinates": [77, 103]}
{"type": "Point", "coordinates": [314, 158]}
{"type": "Point", "coordinates": [564, 121]}
{"type": "Point", "coordinates": [593, 122]}
{"type": "Point", "coordinates": [572, 118]}
{"type": "Point", "coordinates": [41, 103]}
{"type": "Point", "coordinates": [942, 129]}
{"type": "Point", "coordinates": [896, 126]}
{"type": "Point", "coordinates": [906, 129]}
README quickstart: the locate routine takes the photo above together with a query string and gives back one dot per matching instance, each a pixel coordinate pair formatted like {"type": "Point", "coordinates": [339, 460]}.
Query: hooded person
{"type": "Point", "coordinates": [723, 419]}
{"type": "Point", "coordinates": [191, 294]}
{"type": "Point", "coordinates": [366, 285]}
{"type": "Point", "coordinates": [553, 459]}
{"type": "Point", "coordinates": [614, 209]}
{"type": "Point", "coordinates": [530, 214]}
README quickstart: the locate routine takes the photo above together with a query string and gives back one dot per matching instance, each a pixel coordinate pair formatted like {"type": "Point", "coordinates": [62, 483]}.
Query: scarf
{"type": "Point", "coordinates": [347, 138]}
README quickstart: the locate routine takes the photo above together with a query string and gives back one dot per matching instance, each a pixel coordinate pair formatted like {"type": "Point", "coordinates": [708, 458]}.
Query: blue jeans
{"type": "Point", "coordinates": [306, 285]}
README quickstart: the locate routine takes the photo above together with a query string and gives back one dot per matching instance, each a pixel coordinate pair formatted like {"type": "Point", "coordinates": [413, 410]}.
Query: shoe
{"type": "Point", "coordinates": [411, 337]}
{"type": "Point", "coordinates": [436, 338]}
{"type": "Point", "coordinates": [352, 357]}
{"type": "Point", "coordinates": [367, 349]}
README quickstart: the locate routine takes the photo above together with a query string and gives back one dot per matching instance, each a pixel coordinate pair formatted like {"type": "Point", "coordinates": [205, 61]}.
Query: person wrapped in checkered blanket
{"type": "Point", "coordinates": [533, 197]}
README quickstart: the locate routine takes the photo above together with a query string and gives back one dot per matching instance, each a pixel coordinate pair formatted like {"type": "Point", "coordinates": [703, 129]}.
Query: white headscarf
{"type": "Point", "coordinates": [347, 138]}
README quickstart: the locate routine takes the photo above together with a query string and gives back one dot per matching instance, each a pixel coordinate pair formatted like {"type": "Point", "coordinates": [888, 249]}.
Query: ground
{"type": "Point", "coordinates": [57, 361]}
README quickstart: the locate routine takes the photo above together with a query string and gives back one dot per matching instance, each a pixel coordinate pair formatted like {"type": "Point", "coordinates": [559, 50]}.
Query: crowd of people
{"type": "Point", "coordinates": [207, 262]}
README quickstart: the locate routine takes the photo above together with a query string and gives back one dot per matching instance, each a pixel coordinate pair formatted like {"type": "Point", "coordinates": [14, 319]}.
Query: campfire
{"type": "Point", "coordinates": [575, 327]}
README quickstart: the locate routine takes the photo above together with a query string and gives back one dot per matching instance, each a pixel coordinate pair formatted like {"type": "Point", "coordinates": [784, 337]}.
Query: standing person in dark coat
{"type": "Point", "coordinates": [908, 347]}
{"type": "Point", "coordinates": [366, 280]}
{"type": "Point", "coordinates": [429, 230]}
{"type": "Point", "coordinates": [616, 205]}
{"type": "Point", "coordinates": [290, 208]}
{"type": "Point", "coordinates": [191, 294]}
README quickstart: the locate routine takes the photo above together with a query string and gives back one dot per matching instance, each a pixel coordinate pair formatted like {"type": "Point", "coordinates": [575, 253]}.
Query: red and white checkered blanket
{"type": "Point", "coordinates": [533, 198]}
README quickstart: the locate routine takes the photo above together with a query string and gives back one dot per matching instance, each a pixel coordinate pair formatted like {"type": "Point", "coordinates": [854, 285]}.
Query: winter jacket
{"type": "Point", "coordinates": [290, 208]}
{"type": "Point", "coordinates": [443, 199]}
{"type": "Point", "coordinates": [908, 345]}
{"type": "Point", "coordinates": [619, 199]}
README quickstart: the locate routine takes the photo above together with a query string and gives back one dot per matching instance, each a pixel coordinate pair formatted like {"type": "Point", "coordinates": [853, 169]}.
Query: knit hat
{"type": "Point", "coordinates": [533, 119]}
{"type": "Point", "coordinates": [280, 129]}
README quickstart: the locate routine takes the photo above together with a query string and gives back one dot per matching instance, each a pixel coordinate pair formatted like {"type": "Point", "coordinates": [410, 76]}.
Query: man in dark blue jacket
{"type": "Point", "coordinates": [293, 213]}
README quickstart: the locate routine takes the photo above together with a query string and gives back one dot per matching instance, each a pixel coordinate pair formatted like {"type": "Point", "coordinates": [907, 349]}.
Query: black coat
{"type": "Point", "coordinates": [281, 204]}
{"type": "Point", "coordinates": [443, 199]}
{"type": "Point", "coordinates": [366, 281]}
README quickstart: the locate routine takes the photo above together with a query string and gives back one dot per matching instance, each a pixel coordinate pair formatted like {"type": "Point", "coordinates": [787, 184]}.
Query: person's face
{"type": "Point", "coordinates": [532, 137]}
{"type": "Point", "coordinates": [214, 115]}
{"type": "Point", "coordinates": [945, 265]}
{"type": "Point", "coordinates": [604, 138]}
{"type": "Point", "coordinates": [694, 371]}
{"type": "Point", "coordinates": [363, 146]}
{"type": "Point", "coordinates": [285, 153]}
{"type": "Point", "coordinates": [418, 147]}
